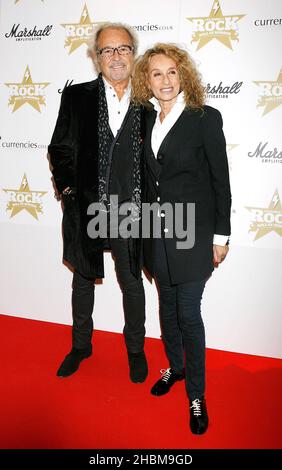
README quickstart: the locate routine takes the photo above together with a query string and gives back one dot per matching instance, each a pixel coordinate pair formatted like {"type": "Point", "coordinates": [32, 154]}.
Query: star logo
{"type": "Point", "coordinates": [230, 147]}
{"type": "Point", "coordinates": [270, 94]}
{"type": "Point", "coordinates": [79, 33]}
{"type": "Point", "coordinates": [27, 92]}
{"type": "Point", "coordinates": [267, 219]}
{"type": "Point", "coordinates": [24, 199]}
{"type": "Point", "coordinates": [215, 26]}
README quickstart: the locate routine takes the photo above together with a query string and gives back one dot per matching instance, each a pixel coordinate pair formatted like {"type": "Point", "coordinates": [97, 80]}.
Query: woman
{"type": "Point", "coordinates": [185, 162]}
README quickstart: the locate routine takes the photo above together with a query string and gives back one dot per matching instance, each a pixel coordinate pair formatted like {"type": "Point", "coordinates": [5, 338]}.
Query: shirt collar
{"type": "Point", "coordinates": [109, 87]}
{"type": "Point", "coordinates": [180, 101]}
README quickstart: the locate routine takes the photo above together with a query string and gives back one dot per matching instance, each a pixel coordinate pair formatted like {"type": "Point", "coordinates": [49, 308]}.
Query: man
{"type": "Point", "coordinates": [95, 153]}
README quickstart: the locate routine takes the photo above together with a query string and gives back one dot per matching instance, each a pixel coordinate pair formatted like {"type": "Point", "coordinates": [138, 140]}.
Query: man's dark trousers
{"type": "Point", "coordinates": [133, 302]}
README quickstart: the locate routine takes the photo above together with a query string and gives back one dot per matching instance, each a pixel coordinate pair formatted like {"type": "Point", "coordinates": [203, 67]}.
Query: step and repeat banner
{"type": "Point", "coordinates": [237, 47]}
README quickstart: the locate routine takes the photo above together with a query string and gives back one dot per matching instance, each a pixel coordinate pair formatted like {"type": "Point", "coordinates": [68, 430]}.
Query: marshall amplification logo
{"type": "Point", "coordinates": [270, 94]}
{"type": "Point", "coordinates": [24, 199]}
{"type": "Point", "coordinates": [269, 219]}
{"type": "Point", "coordinates": [20, 33]}
{"type": "Point", "coordinates": [68, 83]}
{"type": "Point", "coordinates": [266, 155]}
{"type": "Point", "coordinates": [79, 33]}
{"type": "Point", "coordinates": [27, 91]}
{"type": "Point", "coordinates": [224, 28]}
{"type": "Point", "coordinates": [221, 90]}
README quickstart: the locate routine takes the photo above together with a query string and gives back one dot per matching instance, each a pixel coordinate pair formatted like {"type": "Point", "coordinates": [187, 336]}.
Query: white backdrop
{"type": "Point", "coordinates": [237, 47]}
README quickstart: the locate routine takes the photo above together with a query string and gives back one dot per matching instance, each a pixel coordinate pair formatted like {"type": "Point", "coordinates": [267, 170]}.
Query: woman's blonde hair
{"type": "Point", "coordinates": [190, 79]}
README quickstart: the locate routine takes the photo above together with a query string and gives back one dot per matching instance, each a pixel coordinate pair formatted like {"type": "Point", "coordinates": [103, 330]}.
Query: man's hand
{"type": "Point", "coordinates": [219, 254]}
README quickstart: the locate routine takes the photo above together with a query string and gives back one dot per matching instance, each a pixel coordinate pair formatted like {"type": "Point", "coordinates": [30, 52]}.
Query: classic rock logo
{"type": "Point", "coordinates": [270, 94]}
{"type": "Point", "coordinates": [267, 219]}
{"type": "Point", "coordinates": [24, 199]}
{"type": "Point", "coordinates": [27, 91]}
{"type": "Point", "coordinates": [224, 28]}
{"type": "Point", "coordinates": [79, 33]}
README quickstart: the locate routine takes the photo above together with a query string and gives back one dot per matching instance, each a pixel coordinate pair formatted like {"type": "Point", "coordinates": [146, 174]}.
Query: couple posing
{"type": "Point", "coordinates": [143, 138]}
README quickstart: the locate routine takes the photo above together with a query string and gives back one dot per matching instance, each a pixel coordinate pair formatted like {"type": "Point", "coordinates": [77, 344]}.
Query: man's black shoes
{"type": "Point", "coordinates": [137, 364]}
{"type": "Point", "coordinates": [72, 361]}
{"type": "Point", "coordinates": [199, 420]}
{"type": "Point", "coordinates": [138, 367]}
{"type": "Point", "coordinates": [163, 385]}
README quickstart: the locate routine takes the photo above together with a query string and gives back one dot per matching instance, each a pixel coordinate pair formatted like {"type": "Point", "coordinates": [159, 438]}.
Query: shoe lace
{"type": "Point", "coordinates": [166, 373]}
{"type": "Point", "coordinates": [196, 407]}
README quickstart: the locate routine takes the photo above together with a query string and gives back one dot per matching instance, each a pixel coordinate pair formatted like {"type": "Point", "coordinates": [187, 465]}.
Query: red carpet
{"type": "Point", "coordinates": [99, 408]}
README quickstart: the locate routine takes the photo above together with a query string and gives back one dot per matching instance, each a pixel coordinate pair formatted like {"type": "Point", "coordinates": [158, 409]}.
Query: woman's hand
{"type": "Point", "coordinates": [219, 254]}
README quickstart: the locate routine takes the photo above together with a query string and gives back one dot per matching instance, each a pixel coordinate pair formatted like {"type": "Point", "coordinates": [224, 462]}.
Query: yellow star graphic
{"type": "Point", "coordinates": [24, 199]}
{"type": "Point", "coordinates": [216, 26]}
{"type": "Point", "coordinates": [271, 94]}
{"type": "Point", "coordinates": [230, 147]}
{"type": "Point", "coordinates": [267, 219]}
{"type": "Point", "coordinates": [27, 92]}
{"type": "Point", "coordinates": [79, 33]}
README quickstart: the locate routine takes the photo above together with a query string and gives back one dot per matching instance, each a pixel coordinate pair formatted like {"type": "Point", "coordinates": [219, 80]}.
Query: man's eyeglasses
{"type": "Point", "coordinates": [107, 52]}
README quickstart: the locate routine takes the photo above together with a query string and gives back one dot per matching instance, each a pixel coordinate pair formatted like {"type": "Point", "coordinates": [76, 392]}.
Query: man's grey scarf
{"type": "Point", "coordinates": [105, 142]}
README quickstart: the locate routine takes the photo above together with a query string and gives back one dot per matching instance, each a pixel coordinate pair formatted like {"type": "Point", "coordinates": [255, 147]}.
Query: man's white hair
{"type": "Point", "coordinates": [93, 43]}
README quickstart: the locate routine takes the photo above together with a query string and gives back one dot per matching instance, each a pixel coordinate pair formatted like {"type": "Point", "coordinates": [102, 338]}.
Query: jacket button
{"type": "Point", "coordinates": [160, 158]}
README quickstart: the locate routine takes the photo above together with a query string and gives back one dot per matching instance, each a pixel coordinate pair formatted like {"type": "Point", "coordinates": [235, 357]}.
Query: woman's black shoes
{"type": "Point", "coordinates": [199, 420]}
{"type": "Point", "coordinates": [163, 385]}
